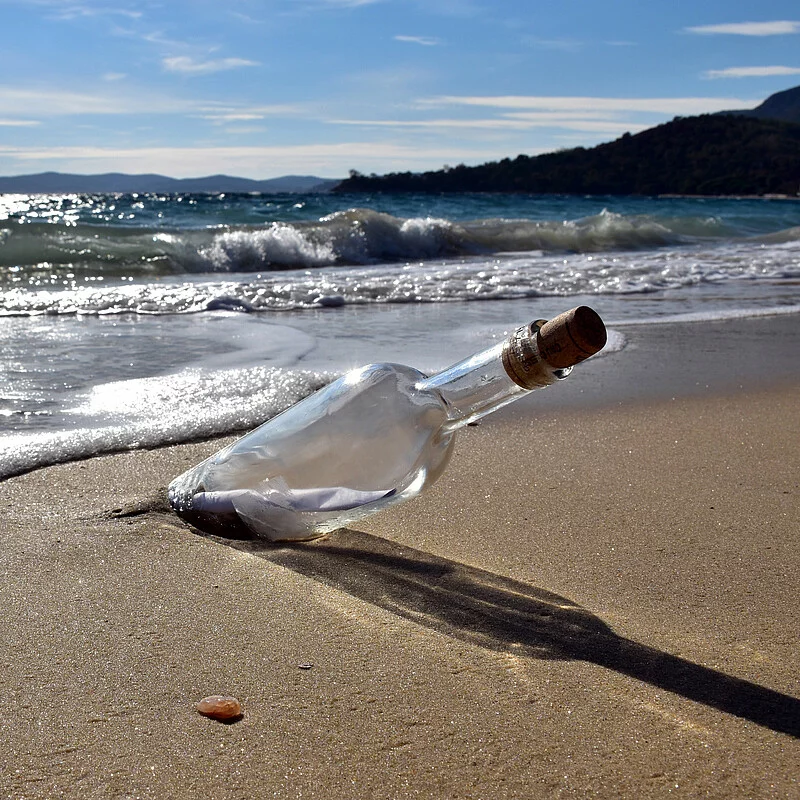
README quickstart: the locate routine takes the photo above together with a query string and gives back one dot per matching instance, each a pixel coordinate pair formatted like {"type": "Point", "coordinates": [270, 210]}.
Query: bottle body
{"type": "Point", "coordinates": [375, 437]}
{"type": "Point", "coordinates": [368, 440]}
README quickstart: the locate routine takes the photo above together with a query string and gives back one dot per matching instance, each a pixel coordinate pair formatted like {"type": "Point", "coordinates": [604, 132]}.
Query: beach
{"type": "Point", "coordinates": [597, 599]}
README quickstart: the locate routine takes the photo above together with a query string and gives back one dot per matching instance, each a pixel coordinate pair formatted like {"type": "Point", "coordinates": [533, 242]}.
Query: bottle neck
{"type": "Point", "coordinates": [488, 380]}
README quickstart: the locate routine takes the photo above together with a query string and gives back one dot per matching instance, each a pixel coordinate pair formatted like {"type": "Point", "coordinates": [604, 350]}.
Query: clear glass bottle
{"type": "Point", "coordinates": [375, 437]}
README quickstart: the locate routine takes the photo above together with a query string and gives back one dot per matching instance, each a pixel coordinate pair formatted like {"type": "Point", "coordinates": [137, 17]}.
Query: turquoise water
{"type": "Point", "coordinates": [136, 320]}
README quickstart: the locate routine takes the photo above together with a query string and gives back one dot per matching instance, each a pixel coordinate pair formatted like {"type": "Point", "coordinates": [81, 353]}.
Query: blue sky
{"type": "Point", "coordinates": [262, 88]}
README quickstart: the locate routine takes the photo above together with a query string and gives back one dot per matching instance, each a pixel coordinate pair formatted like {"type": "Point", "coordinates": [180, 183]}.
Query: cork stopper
{"type": "Point", "coordinates": [541, 353]}
{"type": "Point", "coordinates": [571, 337]}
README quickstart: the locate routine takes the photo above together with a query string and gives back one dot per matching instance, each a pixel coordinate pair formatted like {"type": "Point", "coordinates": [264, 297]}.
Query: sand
{"type": "Point", "coordinates": [594, 601]}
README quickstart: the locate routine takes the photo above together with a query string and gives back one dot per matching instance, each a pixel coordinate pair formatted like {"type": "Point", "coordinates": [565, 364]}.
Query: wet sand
{"type": "Point", "coordinates": [594, 601]}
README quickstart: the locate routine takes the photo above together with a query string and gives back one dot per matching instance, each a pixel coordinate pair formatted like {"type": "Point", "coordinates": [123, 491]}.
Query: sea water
{"type": "Point", "coordinates": [137, 320]}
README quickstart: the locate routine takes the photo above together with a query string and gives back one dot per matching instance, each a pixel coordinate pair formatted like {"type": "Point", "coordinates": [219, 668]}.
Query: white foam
{"type": "Point", "coordinates": [615, 344]}
{"type": "Point", "coordinates": [148, 412]}
{"type": "Point", "coordinates": [718, 315]}
{"type": "Point", "coordinates": [281, 245]}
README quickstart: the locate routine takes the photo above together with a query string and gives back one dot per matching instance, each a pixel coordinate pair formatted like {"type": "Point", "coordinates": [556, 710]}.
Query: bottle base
{"type": "Point", "coordinates": [231, 526]}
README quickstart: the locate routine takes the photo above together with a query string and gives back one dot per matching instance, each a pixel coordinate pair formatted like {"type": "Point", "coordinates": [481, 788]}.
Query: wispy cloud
{"type": "Point", "coordinates": [505, 122]}
{"type": "Point", "coordinates": [69, 9]}
{"type": "Point", "coordinates": [652, 105]}
{"type": "Point", "coordinates": [600, 116]}
{"type": "Point", "coordinates": [246, 18]}
{"type": "Point", "coordinates": [186, 65]}
{"type": "Point", "coordinates": [39, 102]}
{"type": "Point", "coordinates": [427, 41]}
{"type": "Point", "coordinates": [157, 38]}
{"type": "Point", "coordinates": [27, 103]}
{"type": "Point", "coordinates": [578, 121]}
{"type": "Point", "coordinates": [751, 72]}
{"type": "Point", "coordinates": [451, 124]}
{"type": "Point", "coordinates": [26, 107]}
{"type": "Point", "coordinates": [463, 9]}
{"type": "Point", "coordinates": [566, 45]}
{"type": "Point", "coordinates": [331, 160]}
{"type": "Point", "coordinates": [233, 116]}
{"type": "Point", "coordinates": [773, 28]}
{"type": "Point", "coordinates": [223, 114]}
{"type": "Point", "coordinates": [348, 3]}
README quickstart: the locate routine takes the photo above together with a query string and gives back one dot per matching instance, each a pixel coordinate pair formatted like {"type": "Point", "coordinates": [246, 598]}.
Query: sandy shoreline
{"type": "Point", "coordinates": [597, 602]}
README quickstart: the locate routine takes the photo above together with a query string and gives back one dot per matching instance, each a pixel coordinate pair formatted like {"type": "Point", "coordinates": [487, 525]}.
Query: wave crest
{"type": "Point", "coordinates": [278, 246]}
{"type": "Point", "coordinates": [353, 237]}
{"type": "Point", "coordinates": [507, 277]}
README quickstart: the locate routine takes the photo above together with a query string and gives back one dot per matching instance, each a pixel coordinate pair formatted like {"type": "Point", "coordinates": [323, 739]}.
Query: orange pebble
{"type": "Point", "coordinates": [220, 707]}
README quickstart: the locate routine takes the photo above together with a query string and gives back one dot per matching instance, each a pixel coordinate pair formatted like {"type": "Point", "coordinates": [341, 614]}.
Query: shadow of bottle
{"type": "Point", "coordinates": [503, 614]}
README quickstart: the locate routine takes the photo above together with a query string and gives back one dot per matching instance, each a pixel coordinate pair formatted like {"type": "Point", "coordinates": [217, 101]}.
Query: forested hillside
{"type": "Point", "coordinates": [710, 154]}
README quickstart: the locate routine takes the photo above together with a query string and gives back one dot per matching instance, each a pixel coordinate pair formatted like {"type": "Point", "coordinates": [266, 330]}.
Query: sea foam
{"type": "Point", "coordinates": [154, 411]}
{"type": "Point", "coordinates": [508, 276]}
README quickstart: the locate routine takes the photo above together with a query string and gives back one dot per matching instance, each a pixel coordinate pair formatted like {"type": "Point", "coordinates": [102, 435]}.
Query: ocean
{"type": "Point", "coordinates": [132, 321]}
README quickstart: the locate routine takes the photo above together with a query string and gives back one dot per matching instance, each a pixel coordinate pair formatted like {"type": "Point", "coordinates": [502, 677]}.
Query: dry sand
{"type": "Point", "coordinates": [594, 603]}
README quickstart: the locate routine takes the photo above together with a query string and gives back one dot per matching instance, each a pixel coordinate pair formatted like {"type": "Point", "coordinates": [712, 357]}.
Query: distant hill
{"type": "Point", "coordinates": [115, 182]}
{"type": "Point", "coordinates": [783, 106]}
{"type": "Point", "coordinates": [703, 155]}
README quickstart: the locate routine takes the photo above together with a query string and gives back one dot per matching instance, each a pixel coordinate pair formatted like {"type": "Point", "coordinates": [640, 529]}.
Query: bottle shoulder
{"type": "Point", "coordinates": [382, 369]}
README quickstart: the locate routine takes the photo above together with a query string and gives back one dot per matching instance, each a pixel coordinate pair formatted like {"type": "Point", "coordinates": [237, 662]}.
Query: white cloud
{"type": "Point", "coordinates": [46, 103]}
{"type": "Point", "coordinates": [228, 113]}
{"type": "Point", "coordinates": [68, 10]}
{"type": "Point", "coordinates": [222, 114]}
{"type": "Point", "coordinates": [589, 122]}
{"type": "Point", "coordinates": [186, 65]}
{"type": "Point", "coordinates": [427, 41]}
{"type": "Point", "coordinates": [509, 122]}
{"type": "Point", "coordinates": [40, 102]}
{"type": "Point", "coordinates": [453, 8]}
{"type": "Point", "coordinates": [567, 45]}
{"type": "Point", "coordinates": [333, 160]}
{"type": "Point", "coordinates": [349, 3]}
{"type": "Point", "coordinates": [751, 72]}
{"type": "Point", "coordinates": [158, 38]}
{"type": "Point", "coordinates": [603, 117]}
{"type": "Point", "coordinates": [18, 123]}
{"type": "Point", "coordinates": [774, 28]}
{"type": "Point", "coordinates": [434, 123]}
{"type": "Point", "coordinates": [232, 116]}
{"type": "Point", "coordinates": [651, 105]}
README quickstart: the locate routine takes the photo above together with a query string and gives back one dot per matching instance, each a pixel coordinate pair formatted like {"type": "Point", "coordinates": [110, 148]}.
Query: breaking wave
{"type": "Point", "coordinates": [360, 256]}
{"type": "Point", "coordinates": [508, 277]}
{"type": "Point", "coordinates": [353, 237]}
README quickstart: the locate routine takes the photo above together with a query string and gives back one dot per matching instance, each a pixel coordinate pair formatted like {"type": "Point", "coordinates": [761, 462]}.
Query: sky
{"type": "Point", "coordinates": [264, 88]}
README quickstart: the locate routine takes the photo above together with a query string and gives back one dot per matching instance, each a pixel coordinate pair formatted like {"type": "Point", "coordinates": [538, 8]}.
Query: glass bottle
{"type": "Point", "coordinates": [375, 437]}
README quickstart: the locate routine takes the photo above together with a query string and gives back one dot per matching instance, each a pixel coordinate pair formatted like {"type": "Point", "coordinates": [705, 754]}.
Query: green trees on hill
{"type": "Point", "coordinates": [711, 154]}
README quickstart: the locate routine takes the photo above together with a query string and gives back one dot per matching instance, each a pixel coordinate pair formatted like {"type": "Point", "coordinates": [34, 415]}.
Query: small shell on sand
{"type": "Point", "coordinates": [220, 707]}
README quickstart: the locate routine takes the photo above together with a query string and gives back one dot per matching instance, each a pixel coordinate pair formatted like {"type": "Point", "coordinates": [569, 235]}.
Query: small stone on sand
{"type": "Point", "coordinates": [220, 707]}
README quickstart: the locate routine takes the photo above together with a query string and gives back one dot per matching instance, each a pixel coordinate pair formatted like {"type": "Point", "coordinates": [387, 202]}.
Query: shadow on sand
{"type": "Point", "coordinates": [507, 615]}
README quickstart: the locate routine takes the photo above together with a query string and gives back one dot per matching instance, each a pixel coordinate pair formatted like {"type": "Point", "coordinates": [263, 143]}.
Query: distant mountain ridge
{"type": "Point", "coordinates": [120, 183]}
{"type": "Point", "coordinates": [784, 106]}
{"type": "Point", "coordinates": [705, 155]}
{"type": "Point", "coordinates": [746, 152]}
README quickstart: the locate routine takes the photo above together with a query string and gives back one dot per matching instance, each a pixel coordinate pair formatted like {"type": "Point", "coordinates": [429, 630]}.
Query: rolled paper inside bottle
{"type": "Point", "coordinates": [571, 337]}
